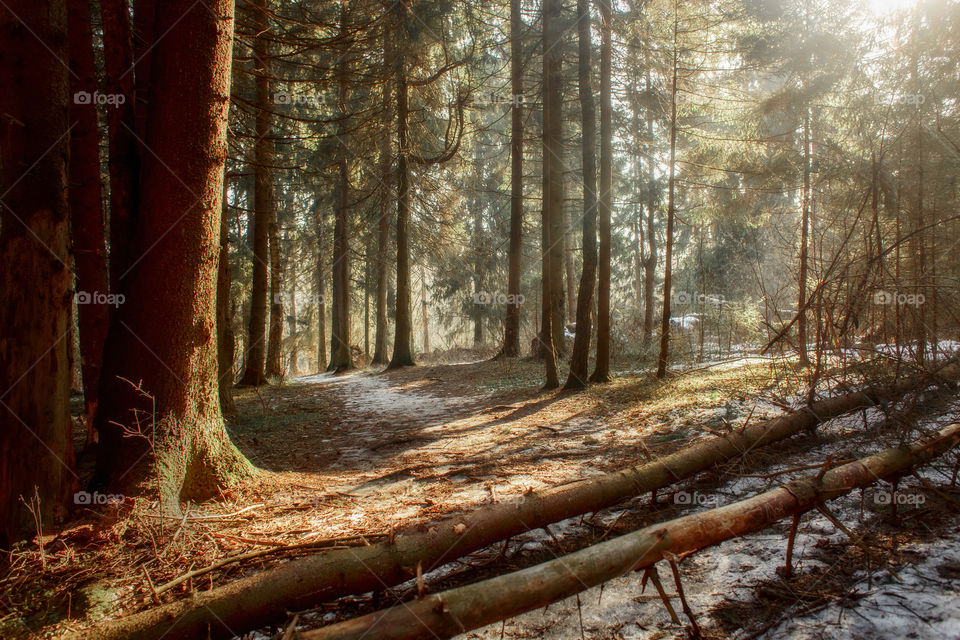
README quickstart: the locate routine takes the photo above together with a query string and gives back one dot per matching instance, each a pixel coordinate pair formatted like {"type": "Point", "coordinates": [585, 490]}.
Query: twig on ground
{"type": "Point", "coordinates": [651, 573]}
{"type": "Point", "coordinates": [695, 628]}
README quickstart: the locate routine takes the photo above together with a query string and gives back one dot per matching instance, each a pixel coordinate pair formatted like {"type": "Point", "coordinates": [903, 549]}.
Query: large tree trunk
{"type": "Point", "coordinates": [367, 259]}
{"type": "Point", "coordinates": [663, 358]}
{"type": "Point", "coordinates": [124, 156]}
{"type": "Point", "coordinates": [383, 222]}
{"type": "Point", "coordinates": [165, 338]}
{"type": "Point", "coordinates": [340, 357]}
{"type": "Point", "coordinates": [86, 208]}
{"type": "Point", "coordinates": [261, 599]}
{"type": "Point", "coordinates": [36, 451]}
{"type": "Point", "coordinates": [650, 263]}
{"type": "Point", "coordinates": [275, 340]}
{"type": "Point", "coordinates": [226, 342]}
{"type": "Point", "coordinates": [478, 265]}
{"type": "Point", "coordinates": [552, 223]}
{"type": "Point", "coordinates": [456, 611]}
{"type": "Point", "coordinates": [402, 348]}
{"type": "Point", "coordinates": [577, 378]}
{"type": "Point", "coordinates": [601, 372]}
{"type": "Point", "coordinates": [143, 36]}
{"type": "Point", "coordinates": [511, 325]}
{"type": "Point", "coordinates": [293, 367]}
{"type": "Point", "coordinates": [649, 276]}
{"type": "Point", "coordinates": [569, 269]}
{"type": "Point", "coordinates": [320, 286]}
{"type": "Point", "coordinates": [263, 203]}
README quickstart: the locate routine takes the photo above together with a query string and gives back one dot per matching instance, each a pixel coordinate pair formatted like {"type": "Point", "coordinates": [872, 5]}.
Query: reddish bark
{"type": "Point", "coordinates": [86, 207]}
{"type": "Point", "coordinates": [36, 452]}
{"type": "Point", "coordinates": [164, 338]}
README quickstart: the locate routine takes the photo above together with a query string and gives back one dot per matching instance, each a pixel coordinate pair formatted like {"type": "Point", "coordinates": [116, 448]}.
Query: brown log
{"type": "Point", "coordinates": [263, 598]}
{"type": "Point", "coordinates": [449, 613]}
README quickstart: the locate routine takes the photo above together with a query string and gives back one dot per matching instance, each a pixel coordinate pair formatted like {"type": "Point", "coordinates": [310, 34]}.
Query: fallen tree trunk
{"type": "Point", "coordinates": [260, 599]}
{"type": "Point", "coordinates": [449, 613]}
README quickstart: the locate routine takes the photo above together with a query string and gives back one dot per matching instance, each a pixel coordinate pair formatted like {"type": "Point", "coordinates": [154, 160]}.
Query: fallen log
{"type": "Point", "coordinates": [264, 598]}
{"type": "Point", "coordinates": [449, 613]}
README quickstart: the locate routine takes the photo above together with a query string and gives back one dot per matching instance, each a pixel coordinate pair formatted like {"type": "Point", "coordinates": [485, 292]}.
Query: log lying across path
{"type": "Point", "coordinates": [258, 600]}
{"type": "Point", "coordinates": [446, 614]}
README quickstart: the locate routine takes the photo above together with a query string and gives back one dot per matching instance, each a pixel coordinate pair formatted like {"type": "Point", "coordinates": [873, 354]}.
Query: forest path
{"type": "Point", "coordinates": [374, 450]}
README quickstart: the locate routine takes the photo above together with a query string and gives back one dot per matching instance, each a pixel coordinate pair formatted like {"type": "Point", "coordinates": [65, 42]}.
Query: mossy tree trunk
{"type": "Point", "coordinates": [165, 339]}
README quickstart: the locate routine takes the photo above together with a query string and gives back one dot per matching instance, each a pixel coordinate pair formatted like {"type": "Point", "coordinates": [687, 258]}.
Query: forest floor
{"type": "Point", "coordinates": [347, 459]}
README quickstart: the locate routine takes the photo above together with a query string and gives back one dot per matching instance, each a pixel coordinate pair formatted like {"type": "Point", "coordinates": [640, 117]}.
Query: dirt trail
{"type": "Point", "coordinates": [372, 451]}
{"type": "Point", "coordinates": [372, 398]}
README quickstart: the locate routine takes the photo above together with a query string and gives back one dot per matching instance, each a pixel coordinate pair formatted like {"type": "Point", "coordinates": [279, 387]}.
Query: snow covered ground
{"type": "Point", "coordinates": [924, 604]}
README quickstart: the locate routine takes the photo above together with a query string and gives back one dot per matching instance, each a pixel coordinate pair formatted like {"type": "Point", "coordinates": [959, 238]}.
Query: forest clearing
{"type": "Point", "coordinates": [416, 319]}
